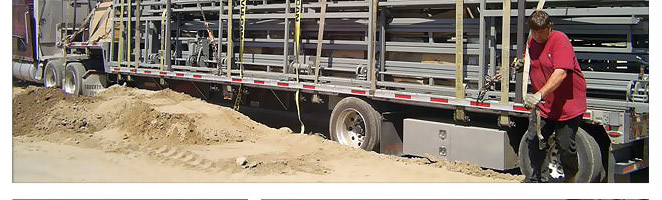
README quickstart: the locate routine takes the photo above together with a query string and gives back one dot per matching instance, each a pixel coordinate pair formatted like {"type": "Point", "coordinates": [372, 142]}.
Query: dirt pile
{"type": "Point", "coordinates": [43, 111]}
{"type": "Point", "coordinates": [147, 124]}
{"type": "Point", "coordinates": [184, 132]}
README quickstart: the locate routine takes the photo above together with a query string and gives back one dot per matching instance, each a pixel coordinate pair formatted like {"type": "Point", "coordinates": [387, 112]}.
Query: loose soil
{"type": "Point", "coordinates": [131, 135]}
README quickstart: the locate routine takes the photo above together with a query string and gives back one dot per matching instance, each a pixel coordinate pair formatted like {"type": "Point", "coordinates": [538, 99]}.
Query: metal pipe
{"type": "Point", "coordinates": [219, 44]}
{"type": "Point", "coordinates": [230, 45]}
{"type": "Point", "coordinates": [89, 10]}
{"type": "Point", "coordinates": [521, 4]}
{"type": "Point", "coordinates": [112, 33]}
{"type": "Point", "coordinates": [73, 28]}
{"type": "Point", "coordinates": [120, 50]}
{"type": "Point", "coordinates": [128, 37]}
{"type": "Point", "coordinates": [483, 43]}
{"type": "Point", "coordinates": [320, 39]}
{"type": "Point", "coordinates": [147, 40]}
{"type": "Point", "coordinates": [286, 44]}
{"type": "Point", "coordinates": [137, 41]}
{"type": "Point", "coordinates": [382, 44]}
{"type": "Point", "coordinates": [168, 53]}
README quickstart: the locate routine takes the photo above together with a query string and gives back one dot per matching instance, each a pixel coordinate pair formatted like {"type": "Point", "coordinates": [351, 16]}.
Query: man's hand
{"type": "Point", "coordinates": [532, 100]}
{"type": "Point", "coordinates": [518, 65]}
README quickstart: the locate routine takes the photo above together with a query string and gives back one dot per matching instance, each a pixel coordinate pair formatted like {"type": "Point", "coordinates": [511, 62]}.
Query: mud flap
{"type": "Point", "coordinates": [390, 138]}
{"type": "Point", "coordinates": [94, 82]}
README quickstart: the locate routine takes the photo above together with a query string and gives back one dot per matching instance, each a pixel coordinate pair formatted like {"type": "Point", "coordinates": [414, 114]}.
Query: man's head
{"type": "Point", "coordinates": [540, 25]}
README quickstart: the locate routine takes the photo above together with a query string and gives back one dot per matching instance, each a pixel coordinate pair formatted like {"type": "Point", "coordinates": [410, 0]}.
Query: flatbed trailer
{"type": "Point", "coordinates": [378, 59]}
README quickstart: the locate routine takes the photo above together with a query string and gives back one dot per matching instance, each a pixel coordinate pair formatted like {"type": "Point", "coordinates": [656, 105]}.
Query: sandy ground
{"type": "Point", "coordinates": [132, 135]}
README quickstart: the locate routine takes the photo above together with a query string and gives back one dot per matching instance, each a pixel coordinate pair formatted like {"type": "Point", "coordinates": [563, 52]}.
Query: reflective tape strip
{"type": "Point", "coordinates": [358, 91]}
{"type": "Point", "coordinates": [481, 104]}
{"type": "Point", "coordinates": [403, 96]}
{"type": "Point", "coordinates": [522, 108]}
{"type": "Point", "coordinates": [386, 94]}
{"type": "Point", "coordinates": [437, 99]}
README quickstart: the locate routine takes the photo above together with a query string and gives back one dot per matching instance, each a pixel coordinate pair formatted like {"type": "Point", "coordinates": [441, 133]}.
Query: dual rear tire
{"type": "Point", "coordinates": [53, 73]}
{"type": "Point", "coordinates": [589, 159]}
{"type": "Point", "coordinates": [73, 78]}
{"type": "Point", "coordinates": [69, 78]}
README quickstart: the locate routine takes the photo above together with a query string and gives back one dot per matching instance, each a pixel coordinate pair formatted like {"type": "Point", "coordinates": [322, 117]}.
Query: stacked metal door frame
{"type": "Point", "coordinates": [603, 32]}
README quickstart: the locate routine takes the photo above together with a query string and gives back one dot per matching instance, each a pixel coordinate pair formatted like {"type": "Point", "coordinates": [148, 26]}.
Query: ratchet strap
{"type": "Point", "coordinates": [242, 39]}
{"type": "Point", "coordinates": [297, 51]}
{"type": "Point", "coordinates": [527, 58]}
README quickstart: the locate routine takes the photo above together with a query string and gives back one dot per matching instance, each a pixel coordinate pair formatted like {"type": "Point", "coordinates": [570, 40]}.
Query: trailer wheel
{"type": "Point", "coordinates": [73, 78]}
{"type": "Point", "coordinates": [53, 74]}
{"type": "Point", "coordinates": [589, 159]}
{"type": "Point", "coordinates": [356, 123]}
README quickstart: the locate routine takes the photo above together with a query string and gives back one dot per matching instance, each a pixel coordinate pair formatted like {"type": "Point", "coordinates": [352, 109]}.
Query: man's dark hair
{"type": "Point", "coordinates": [540, 20]}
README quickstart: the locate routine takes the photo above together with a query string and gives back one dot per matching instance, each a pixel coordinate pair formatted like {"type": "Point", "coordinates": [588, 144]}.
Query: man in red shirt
{"type": "Point", "coordinates": [560, 96]}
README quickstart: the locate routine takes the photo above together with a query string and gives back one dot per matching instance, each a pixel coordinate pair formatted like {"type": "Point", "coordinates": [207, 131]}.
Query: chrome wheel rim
{"type": "Point", "coordinates": [69, 85]}
{"type": "Point", "coordinates": [351, 128]}
{"type": "Point", "coordinates": [555, 168]}
{"type": "Point", "coordinates": [50, 79]}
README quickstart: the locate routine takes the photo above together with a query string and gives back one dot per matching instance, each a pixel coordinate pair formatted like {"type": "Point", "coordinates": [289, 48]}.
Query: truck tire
{"type": "Point", "coordinates": [73, 78]}
{"type": "Point", "coordinates": [588, 152]}
{"type": "Point", "coordinates": [356, 123]}
{"type": "Point", "coordinates": [53, 74]}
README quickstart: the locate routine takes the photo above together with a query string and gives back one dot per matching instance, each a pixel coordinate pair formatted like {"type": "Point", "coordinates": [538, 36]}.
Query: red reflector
{"type": "Point", "coordinates": [197, 76]}
{"type": "Point", "coordinates": [475, 103]}
{"type": "Point", "coordinates": [179, 74]}
{"type": "Point", "coordinates": [147, 72]}
{"type": "Point", "coordinates": [132, 70]}
{"type": "Point", "coordinates": [435, 99]}
{"type": "Point", "coordinates": [403, 96]}
{"type": "Point", "coordinates": [309, 87]}
{"type": "Point", "coordinates": [587, 115]}
{"type": "Point", "coordinates": [258, 82]}
{"type": "Point", "coordinates": [358, 91]}
{"type": "Point", "coordinates": [522, 108]}
{"type": "Point", "coordinates": [284, 84]}
{"type": "Point", "coordinates": [236, 79]}
{"type": "Point", "coordinates": [614, 133]}
{"type": "Point", "coordinates": [163, 73]}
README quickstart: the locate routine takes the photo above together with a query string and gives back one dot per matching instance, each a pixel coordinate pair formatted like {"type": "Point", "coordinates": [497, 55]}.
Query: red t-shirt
{"type": "Point", "coordinates": [569, 99]}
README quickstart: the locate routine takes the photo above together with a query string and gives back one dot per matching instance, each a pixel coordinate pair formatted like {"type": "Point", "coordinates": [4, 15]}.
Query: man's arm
{"type": "Point", "coordinates": [553, 82]}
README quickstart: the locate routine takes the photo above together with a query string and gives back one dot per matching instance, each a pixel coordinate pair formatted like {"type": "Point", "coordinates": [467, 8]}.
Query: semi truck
{"type": "Point", "coordinates": [420, 78]}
